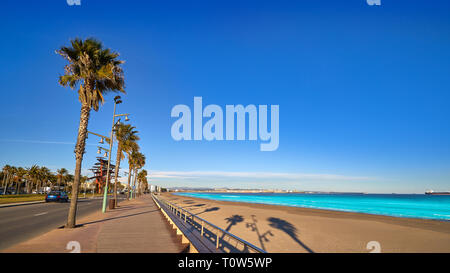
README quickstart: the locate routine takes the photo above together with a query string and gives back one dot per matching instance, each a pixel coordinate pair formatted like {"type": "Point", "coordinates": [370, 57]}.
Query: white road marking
{"type": "Point", "coordinates": [39, 214]}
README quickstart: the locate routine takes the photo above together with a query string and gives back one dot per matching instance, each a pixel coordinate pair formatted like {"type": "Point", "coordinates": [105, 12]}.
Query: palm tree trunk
{"type": "Point", "coordinates": [8, 177]}
{"type": "Point", "coordinates": [133, 194]}
{"type": "Point", "coordinates": [10, 181]}
{"type": "Point", "coordinates": [3, 182]}
{"type": "Point", "coordinates": [116, 171]}
{"type": "Point", "coordinates": [134, 182]}
{"type": "Point", "coordinates": [79, 151]}
{"type": "Point", "coordinates": [129, 180]}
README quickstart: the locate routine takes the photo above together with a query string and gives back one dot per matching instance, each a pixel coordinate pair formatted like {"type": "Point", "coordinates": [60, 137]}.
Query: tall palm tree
{"type": "Point", "coordinates": [61, 174]}
{"type": "Point", "coordinates": [44, 176]}
{"type": "Point", "coordinates": [142, 179]}
{"type": "Point", "coordinates": [33, 174]}
{"type": "Point", "coordinates": [21, 173]}
{"type": "Point", "coordinates": [69, 181]}
{"type": "Point", "coordinates": [96, 71]}
{"type": "Point", "coordinates": [126, 138]}
{"type": "Point", "coordinates": [13, 177]}
{"type": "Point", "coordinates": [52, 180]}
{"type": "Point", "coordinates": [138, 164]}
{"type": "Point", "coordinates": [132, 155]}
{"type": "Point", "coordinates": [84, 179]}
{"type": "Point", "coordinates": [10, 172]}
{"type": "Point", "coordinates": [6, 174]}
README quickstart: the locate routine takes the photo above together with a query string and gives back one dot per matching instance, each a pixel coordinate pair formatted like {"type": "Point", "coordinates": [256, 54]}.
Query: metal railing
{"type": "Point", "coordinates": [223, 239]}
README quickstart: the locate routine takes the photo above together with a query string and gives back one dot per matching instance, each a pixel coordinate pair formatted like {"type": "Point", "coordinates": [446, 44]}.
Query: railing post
{"type": "Point", "coordinates": [185, 216]}
{"type": "Point", "coordinates": [217, 239]}
{"type": "Point", "coordinates": [201, 234]}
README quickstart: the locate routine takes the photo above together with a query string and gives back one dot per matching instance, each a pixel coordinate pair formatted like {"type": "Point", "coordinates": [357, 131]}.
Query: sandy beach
{"type": "Point", "coordinates": [291, 229]}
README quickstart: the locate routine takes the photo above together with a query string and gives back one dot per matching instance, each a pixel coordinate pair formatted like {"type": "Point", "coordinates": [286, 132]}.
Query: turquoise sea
{"type": "Point", "coordinates": [399, 205]}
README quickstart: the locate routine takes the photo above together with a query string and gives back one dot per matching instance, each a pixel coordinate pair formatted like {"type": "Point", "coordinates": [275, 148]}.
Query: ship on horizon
{"type": "Point", "coordinates": [431, 192]}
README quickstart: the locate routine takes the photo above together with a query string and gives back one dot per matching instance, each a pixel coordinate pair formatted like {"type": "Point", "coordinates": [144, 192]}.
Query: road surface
{"type": "Point", "coordinates": [21, 223]}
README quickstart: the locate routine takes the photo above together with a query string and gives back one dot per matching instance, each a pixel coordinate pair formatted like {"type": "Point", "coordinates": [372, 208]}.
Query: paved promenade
{"type": "Point", "coordinates": [136, 226]}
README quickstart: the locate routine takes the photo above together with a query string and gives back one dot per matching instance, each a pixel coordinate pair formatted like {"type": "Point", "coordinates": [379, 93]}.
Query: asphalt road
{"type": "Point", "coordinates": [21, 223]}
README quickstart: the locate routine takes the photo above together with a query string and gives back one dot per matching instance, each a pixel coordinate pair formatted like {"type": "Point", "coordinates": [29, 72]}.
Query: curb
{"type": "Point", "coordinates": [21, 204]}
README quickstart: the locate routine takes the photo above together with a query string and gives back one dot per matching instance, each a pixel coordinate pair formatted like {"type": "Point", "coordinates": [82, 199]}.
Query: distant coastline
{"type": "Point", "coordinates": [225, 190]}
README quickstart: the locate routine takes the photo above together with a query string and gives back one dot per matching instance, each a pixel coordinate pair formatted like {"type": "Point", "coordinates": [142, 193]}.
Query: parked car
{"type": "Point", "coordinates": [56, 196]}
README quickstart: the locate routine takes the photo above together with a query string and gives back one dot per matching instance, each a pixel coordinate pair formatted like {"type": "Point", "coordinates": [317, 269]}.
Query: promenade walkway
{"type": "Point", "coordinates": [136, 226]}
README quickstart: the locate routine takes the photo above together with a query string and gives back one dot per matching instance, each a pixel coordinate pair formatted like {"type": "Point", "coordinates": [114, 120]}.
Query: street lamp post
{"type": "Point", "coordinates": [117, 100]}
{"type": "Point", "coordinates": [105, 194]}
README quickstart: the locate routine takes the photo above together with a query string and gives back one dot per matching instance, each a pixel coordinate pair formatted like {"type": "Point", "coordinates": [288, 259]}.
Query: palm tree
{"type": "Point", "coordinates": [138, 164]}
{"type": "Point", "coordinates": [132, 154]}
{"type": "Point", "coordinates": [44, 176]}
{"type": "Point", "coordinates": [6, 175]}
{"type": "Point", "coordinates": [96, 71]}
{"type": "Point", "coordinates": [83, 180]}
{"type": "Point", "coordinates": [13, 175]}
{"type": "Point", "coordinates": [10, 177]}
{"type": "Point", "coordinates": [52, 180]}
{"type": "Point", "coordinates": [21, 173]}
{"type": "Point", "coordinates": [33, 173]}
{"type": "Point", "coordinates": [126, 138]}
{"type": "Point", "coordinates": [61, 174]}
{"type": "Point", "coordinates": [69, 181]}
{"type": "Point", "coordinates": [142, 179]}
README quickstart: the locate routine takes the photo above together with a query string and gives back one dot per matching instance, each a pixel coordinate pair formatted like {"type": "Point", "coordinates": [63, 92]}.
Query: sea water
{"type": "Point", "coordinates": [399, 205]}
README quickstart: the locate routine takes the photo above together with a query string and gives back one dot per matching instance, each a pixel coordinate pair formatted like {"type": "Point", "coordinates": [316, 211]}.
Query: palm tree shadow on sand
{"type": "Point", "coordinates": [209, 210]}
{"type": "Point", "coordinates": [233, 220]}
{"type": "Point", "coordinates": [289, 229]}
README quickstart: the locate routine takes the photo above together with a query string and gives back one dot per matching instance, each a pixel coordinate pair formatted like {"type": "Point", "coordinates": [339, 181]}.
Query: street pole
{"type": "Point", "coordinates": [105, 195]}
{"type": "Point", "coordinates": [131, 184]}
{"type": "Point", "coordinates": [134, 183]}
{"type": "Point", "coordinates": [133, 194]}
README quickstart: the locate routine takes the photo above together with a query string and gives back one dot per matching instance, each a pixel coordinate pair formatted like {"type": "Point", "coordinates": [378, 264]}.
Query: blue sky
{"type": "Point", "coordinates": [363, 90]}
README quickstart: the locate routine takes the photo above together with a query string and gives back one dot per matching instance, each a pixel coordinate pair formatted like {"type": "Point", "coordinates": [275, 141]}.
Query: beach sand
{"type": "Point", "coordinates": [291, 229]}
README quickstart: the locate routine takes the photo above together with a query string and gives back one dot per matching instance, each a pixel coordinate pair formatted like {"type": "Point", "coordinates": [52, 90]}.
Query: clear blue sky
{"type": "Point", "coordinates": [364, 91]}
